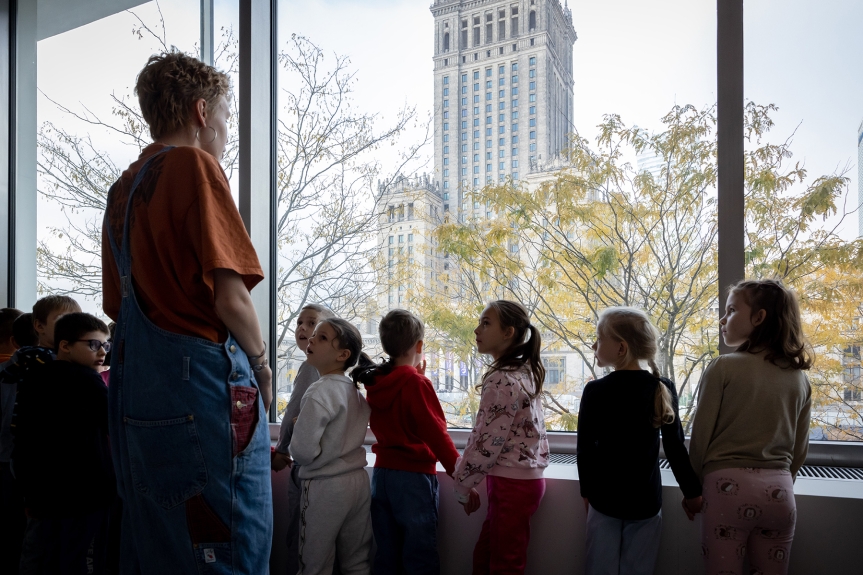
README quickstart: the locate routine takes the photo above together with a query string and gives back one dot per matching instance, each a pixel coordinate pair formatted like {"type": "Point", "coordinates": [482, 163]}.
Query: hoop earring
{"type": "Point", "coordinates": [213, 139]}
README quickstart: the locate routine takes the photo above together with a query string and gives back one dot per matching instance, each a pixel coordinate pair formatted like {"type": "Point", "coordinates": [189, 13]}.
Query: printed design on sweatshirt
{"type": "Point", "coordinates": [510, 429]}
{"type": "Point", "coordinates": [741, 550]}
{"type": "Point", "coordinates": [471, 469]}
{"type": "Point", "coordinates": [480, 445]}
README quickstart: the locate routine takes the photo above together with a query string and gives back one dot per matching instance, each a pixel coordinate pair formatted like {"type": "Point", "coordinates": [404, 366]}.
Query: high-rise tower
{"type": "Point", "coordinates": [503, 91]}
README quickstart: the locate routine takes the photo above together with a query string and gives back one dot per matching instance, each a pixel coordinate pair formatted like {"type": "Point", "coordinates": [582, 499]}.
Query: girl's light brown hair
{"type": "Point", "coordinates": [400, 330]}
{"type": "Point", "coordinates": [323, 311]}
{"type": "Point", "coordinates": [781, 332]}
{"type": "Point", "coordinates": [169, 84]}
{"type": "Point", "coordinates": [513, 314]}
{"type": "Point", "coordinates": [632, 326]}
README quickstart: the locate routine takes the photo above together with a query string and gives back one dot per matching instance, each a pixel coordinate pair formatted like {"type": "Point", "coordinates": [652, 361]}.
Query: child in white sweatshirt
{"type": "Point", "coordinates": [327, 443]}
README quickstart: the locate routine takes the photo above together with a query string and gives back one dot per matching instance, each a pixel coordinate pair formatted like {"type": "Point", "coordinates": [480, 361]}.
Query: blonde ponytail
{"type": "Point", "coordinates": [663, 411]}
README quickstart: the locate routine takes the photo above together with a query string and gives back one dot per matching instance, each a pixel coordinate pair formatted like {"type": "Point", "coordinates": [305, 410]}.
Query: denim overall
{"type": "Point", "coordinates": [190, 443]}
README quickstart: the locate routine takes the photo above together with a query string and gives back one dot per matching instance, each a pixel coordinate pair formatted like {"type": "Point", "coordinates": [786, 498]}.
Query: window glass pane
{"type": "Point", "coordinates": [90, 130]}
{"type": "Point", "coordinates": [802, 221]}
{"type": "Point", "coordinates": [568, 263]}
{"type": "Point", "coordinates": [347, 150]}
{"type": "Point", "coordinates": [555, 246]}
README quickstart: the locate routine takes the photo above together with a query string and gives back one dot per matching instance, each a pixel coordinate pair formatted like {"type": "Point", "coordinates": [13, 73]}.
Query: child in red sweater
{"type": "Point", "coordinates": [411, 434]}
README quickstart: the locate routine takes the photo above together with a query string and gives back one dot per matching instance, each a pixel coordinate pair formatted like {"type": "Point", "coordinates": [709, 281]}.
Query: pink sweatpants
{"type": "Point", "coordinates": [502, 545]}
{"type": "Point", "coordinates": [748, 513]}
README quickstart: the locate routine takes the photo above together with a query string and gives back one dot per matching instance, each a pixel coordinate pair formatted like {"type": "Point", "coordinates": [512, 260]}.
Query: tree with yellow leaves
{"type": "Point", "coordinates": [601, 233]}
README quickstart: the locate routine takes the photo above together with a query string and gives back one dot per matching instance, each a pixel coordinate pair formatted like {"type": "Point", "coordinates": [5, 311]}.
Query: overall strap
{"type": "Point", "coordinates": [122, 254]}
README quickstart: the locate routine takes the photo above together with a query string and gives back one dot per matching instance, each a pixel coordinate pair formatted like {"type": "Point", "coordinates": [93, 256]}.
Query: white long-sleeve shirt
{"type": "Point", "coordinates": [331, 428]}
{"type": "Point", "coordinates": [306, 376]}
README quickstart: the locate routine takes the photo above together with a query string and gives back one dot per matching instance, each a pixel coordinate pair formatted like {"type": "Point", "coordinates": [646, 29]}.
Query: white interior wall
{"type": "Point", "coordinates": [829, 528]}
{"type": "Point", "coordinates": [58, 16]}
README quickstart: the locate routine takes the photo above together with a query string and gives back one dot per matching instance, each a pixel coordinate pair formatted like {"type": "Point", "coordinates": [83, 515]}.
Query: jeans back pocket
{"type": "Point", "coordinates": [166, 461]}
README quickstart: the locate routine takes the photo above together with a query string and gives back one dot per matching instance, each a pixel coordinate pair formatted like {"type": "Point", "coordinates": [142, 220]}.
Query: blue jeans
{"type": "Point", "coordinates": [190, 444]}
{"type": "Point", "coordinates": [621, 547]}
{"type": "Point", "coordinates": [404, 520]}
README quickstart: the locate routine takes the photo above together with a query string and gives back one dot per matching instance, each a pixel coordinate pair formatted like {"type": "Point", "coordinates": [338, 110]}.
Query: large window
{"type": "Point", "coordinates": [803, 186]}
{"type": "Point", "coordinates": [609, 199]}
{"type": "Point", "coordinates": [90, 128]}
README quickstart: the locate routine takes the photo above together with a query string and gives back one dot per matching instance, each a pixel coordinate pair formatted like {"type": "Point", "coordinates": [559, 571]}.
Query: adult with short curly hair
{"type": "Point", "coordinates": [189, 383]}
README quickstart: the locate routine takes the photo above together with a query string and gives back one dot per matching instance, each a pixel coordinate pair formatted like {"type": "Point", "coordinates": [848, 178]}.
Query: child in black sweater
{"type": "Point", "coordinates": [61, 457]}
{"type": "Point", "coordinates": [619, 424]}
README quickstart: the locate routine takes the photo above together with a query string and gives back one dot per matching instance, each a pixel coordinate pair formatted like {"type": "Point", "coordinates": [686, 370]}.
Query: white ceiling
{"type": "Point", "coordinates": [57, 16]}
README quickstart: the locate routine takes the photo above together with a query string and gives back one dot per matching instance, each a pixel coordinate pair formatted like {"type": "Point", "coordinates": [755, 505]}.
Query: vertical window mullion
{"type": "Point", "coordinates": [730, 147]}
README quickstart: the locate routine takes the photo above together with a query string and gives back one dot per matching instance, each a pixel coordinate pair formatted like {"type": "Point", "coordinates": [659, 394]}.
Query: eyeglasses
{"type": "Point", "coordinates": [95, 344]}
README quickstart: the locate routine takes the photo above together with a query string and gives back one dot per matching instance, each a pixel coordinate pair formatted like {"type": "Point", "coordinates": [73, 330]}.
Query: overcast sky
{"type": "Point", "coordinates": [632, 57]}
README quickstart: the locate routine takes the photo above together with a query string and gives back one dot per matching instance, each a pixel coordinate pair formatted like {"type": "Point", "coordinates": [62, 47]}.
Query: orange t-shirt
{"type": "Point", "coordinates": [184, 225]}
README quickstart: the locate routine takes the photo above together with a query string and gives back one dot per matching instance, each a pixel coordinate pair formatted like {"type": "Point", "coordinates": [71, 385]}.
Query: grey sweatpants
{"type": "Point", "coordinates": [621, 547]}
{"type": "Point", "coordinates": [334, 518]}
{"type": "Point", "coordinates": [294, 494]}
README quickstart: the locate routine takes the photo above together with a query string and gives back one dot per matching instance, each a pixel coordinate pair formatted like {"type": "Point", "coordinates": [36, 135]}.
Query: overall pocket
{"type": "Point", "coordinates": [166, 461]}
{"type": "Point", "coordinates": [244, 416]}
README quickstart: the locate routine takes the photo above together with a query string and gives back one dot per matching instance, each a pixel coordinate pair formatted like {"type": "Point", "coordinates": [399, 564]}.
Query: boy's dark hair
{"type": "Point", "coordinates": [23, 331]}
{"type": "Point", "coordinates": [43, 308]}
{"type": "Point", "coordinates": [71, 326]}
{"type": "Point", "coordinates": [400, 330]}
{"type": "Point", "coordinates": [8, 315]}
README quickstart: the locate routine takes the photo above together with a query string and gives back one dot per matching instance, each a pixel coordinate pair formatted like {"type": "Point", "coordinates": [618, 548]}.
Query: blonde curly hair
{"type": "Point", "coordinates": [167, 86]}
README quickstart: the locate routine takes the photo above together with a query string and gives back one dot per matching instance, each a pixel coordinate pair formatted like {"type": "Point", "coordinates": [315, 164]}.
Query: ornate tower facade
{"type": "Point", "coordinates": [503, 92]}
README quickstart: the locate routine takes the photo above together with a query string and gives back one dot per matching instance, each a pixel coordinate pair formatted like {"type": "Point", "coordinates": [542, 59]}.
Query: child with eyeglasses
{"type": "Point", "coordinates": [62, 430]}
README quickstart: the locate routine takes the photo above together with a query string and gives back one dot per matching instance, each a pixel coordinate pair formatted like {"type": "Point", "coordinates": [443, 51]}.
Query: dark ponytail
{"type": "Point", "coordinates": [513, 314]}
{"type": "Point", "coordinates": [399, 330]}
{"type": "Point", "coordinates": [349, 338]}
{"type": "Point", "coordinates": [364, 371]}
